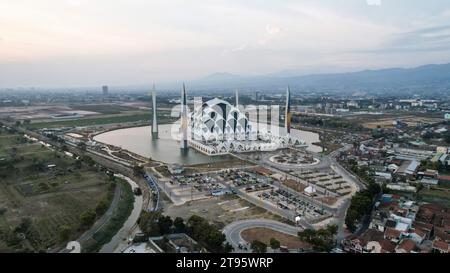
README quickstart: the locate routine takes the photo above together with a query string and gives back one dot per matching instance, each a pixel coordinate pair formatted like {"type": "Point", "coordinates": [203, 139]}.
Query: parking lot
{"type": "Point", "coordinates": [328, 180]}
{"type": "Point", "coordinates": [287, 201]}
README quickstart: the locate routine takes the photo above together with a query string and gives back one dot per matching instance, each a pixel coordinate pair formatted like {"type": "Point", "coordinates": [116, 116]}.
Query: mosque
{"type": "Point", "coordinates": [217, 127]}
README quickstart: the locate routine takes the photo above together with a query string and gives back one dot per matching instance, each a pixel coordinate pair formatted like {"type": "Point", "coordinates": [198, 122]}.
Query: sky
{"type": "Point", "coordinates": [50, 43]}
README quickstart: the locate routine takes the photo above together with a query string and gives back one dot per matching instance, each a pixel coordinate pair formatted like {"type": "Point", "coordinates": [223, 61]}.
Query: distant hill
{"type": "Point", "coordinates": [428, 76]}
{"type": "Point", "coordinates": [220, 76]}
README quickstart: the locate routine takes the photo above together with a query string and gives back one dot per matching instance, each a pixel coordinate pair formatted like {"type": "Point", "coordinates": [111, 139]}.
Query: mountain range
{"type": "Point", "coordinates": [434, 76]}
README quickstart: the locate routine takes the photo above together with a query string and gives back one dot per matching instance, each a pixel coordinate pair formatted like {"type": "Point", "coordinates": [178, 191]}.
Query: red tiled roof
{"type": "Point", "coordinates": [395, 196]}
{"type": "Point", "coordinates": [387, 245]}
{"type": "Point", "coordinates": [407, 244]}
{"type": "Point", "coordinates": [372, 235]}
{"type": "Point", "coordinates": [419, 232]}
{"type": "Point", "coordinates": [392, 233]}
{"type": "Point", "coordinates": [423, 226]}
{"type": "Point", "coordinates": [441, 245]}
{"type": "Point", "coordinates": [392, 204]}
{"type": "Point", "coordinates": [441, 233]}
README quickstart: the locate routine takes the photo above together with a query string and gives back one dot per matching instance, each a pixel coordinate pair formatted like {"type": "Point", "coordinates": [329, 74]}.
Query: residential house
{"type": "Point", "coordinates": [406, 246]}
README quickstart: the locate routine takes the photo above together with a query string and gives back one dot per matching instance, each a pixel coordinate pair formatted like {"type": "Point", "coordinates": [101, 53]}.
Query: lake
{"type": "Point", "coordinates": [166, 149]}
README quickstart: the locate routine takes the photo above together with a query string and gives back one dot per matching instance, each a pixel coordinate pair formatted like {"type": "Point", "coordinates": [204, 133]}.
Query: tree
{"type": "Point", "coordinates": [322, 240]}
{"type": "Point", "coordinates": [207, 235]}
{"type": "Point", "coordinates": [447, 137]}
{"type": "Point", "coordinates": [350, 219]}
{"type": "Point", "coordinates": [77, 164]}
{"type": "Point", "coordinates": [258, 247]}
{"type": "Point", "coordinates": [179, 225]}
{"type": "Point", "coordinates": [165, 224]}
{"type": "Point", "coordinates": [227, 248]}
{"type": "Point", "coordinates": [82, 146]}
{"type": "Point", "coordinates": [148, 223]}
{"type": "Point", "coordinates": [274, 243]}
{"type": "Point", "coordinates": [332, 230]}
{"type": "Point", "coordinates": [102, 206]}
{"type": "Point", "coordinates": [138, 170]}
{"type": "Point", "coordinates": [88, 160]}
{"type": "Point", "coordinates": [87, 218]}
{"type": "Point", "coordinates": [64, 233]}
{"type": "Point", "coordinates": [24, 225]}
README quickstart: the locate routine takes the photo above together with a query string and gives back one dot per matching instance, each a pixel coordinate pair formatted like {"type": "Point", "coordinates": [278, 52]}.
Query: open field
{"type": "Point", "coordinates": [39, 200]}
{"type": "Point", "coordinates": [217, 166]}
{"type": "Point", "coordinates": [440, 196]}
{"type": "Point", "coordinates": [92, 121]}
{"type": "Point", "coordinates": [265, 234]}
{"type": "Point", "coordinates": [106, 109]}
{"type": "Point", "coordinates": [130, 116]}
{"type": "Point", "coordinates": [388, 122]}
{"type": "Point", "coordinates": [220, 210]}
{"type": "Point", "coordinates": [433, 195]}
{"type": "Point", "coordinates": [296, 186]}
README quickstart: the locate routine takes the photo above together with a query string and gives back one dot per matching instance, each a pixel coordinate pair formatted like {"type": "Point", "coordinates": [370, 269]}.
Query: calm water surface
{"type": "Point", "coordinates": [138, 140]}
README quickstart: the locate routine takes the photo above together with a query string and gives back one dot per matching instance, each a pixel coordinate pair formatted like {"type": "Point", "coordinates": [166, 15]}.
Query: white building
{"type": "Point", "coordinates": [217, 127]}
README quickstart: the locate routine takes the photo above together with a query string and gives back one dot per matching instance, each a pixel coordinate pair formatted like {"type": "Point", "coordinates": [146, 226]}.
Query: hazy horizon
{"type": "Point", "coordinates": [77, 43]}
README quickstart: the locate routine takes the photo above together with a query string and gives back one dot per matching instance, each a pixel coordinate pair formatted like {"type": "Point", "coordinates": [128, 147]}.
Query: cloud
{"type": "Point", "coordinates": [75, 3]}
{"type": "Point", "coordinates": [446, 13]}
{"type": "Point", "coordinates": [421, 40]}
{"type": "Point", "coordinates": [271, 30]}
{"type": "Point", "coordinates": [373, 2]}
{"type": "Point", "coordinates": [435, 38]}
{"type": "Point", "coordinates": [239, 48]}
{"type": "Point", "coordinates": [237, 36]}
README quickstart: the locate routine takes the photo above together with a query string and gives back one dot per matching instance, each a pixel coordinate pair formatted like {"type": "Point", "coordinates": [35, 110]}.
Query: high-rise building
{"type": "Point", "coordinates": [288, 114]}
{"type": "Point", "coordinates": [184, 120]}
{"type": "Point", "coordinates": [105, 90]}
{"type": "Point", "coordinates": [154, 117]}
{"type": "Point", "coordinates": [236, 95]}
{"type": "Point", "coordinates": [256, 96]}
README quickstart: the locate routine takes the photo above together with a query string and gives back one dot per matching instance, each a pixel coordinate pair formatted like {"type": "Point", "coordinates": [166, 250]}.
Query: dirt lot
{"type": "Point", "coordinates": [264, 235]}
{"type": "Point", "coordinates": [329, 200]}
{"type": "Point", "coordinates": [220, 210]}
{"type": "Point", "coordinates": [216, 166]}
{"type": "Point", "coordinates": [296, 186]}
{"type": "Point", "coordinates": [410, 120]}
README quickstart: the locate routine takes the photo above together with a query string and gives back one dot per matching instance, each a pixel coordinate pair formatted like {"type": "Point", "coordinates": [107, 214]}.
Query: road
{"type": "Point", "coordinates": [340, 215]}
{"type": "Point", "coordinates": [130, 227]}
{"type": "Point", "coordinates": [342, 171]}
{"type": "Point", "coordinates": [101, 221]}
{"type": "Point", "coordinates": [233, 230]}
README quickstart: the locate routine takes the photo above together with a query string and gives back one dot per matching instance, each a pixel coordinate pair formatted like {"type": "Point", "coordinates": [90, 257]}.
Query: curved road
{"type": "Point", "coordinates": [119, 239]}
{"type": "Point", "coordinates": [87, 235]}
{"type": "Point", "coordinates": [233, 230]}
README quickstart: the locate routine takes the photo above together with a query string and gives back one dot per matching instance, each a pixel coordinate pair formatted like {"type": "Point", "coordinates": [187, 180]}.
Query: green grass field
{"type": "Point", "coordinates": [140, 116]}
{"type": "Point", "coordinates": [106, 109]}
{"type": "Point", "coordinates": [144, 117]}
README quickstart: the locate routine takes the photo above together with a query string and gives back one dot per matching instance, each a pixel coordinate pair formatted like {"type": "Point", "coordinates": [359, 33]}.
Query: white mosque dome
{"type": "Point", "coordinates": [218, 120]}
